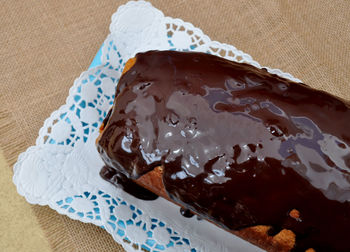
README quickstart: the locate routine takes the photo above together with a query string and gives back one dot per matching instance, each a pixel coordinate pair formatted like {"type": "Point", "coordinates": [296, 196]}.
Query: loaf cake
{"type": "Point", "coordinates": [258, 155]}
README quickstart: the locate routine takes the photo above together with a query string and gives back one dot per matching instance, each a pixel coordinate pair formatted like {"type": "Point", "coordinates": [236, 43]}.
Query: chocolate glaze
{"type": "Point", "coordinates": [186, 213]}
{"type": "Point", "coordinates": [123, 182]}
{"type": "Point", "coordinates": [238, 145]}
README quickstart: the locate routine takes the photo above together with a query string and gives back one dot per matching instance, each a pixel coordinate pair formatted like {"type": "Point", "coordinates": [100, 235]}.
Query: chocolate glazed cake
{"type": "Point", "coordinates": [258, 155]}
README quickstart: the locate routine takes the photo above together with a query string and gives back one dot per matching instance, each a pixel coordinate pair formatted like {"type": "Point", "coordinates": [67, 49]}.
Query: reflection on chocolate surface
{"type": "Point", "coordinates": [238, 145]}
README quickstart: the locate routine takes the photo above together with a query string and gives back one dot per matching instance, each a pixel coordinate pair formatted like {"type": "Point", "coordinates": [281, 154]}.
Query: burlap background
{"type": "Point", "coordinates": [45, 45]}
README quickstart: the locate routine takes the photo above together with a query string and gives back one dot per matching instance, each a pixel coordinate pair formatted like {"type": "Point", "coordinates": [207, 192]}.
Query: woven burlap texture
{"type": "Point", "coordinates": [45, 45]}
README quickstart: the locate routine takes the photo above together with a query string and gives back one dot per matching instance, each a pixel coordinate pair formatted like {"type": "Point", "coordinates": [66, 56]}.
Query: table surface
{"type": "Point", "coordinates": [45, 45]}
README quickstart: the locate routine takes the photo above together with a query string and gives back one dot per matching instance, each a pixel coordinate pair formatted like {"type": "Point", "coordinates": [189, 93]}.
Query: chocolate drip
{"type": "Point", "coordinates": [121, 181]}
{"type": "Point", "coordinates": [238, 145]}
{"type": "Point", "coordinates": [186, 213]}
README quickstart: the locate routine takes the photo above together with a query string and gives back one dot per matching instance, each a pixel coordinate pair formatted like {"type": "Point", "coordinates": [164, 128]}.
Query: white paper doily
{"type": "Point", "coordinates": [62, 169]}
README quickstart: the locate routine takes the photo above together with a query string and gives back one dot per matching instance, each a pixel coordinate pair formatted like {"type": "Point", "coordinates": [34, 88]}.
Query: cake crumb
{"type": "Point", "coordinates": [295, 214]}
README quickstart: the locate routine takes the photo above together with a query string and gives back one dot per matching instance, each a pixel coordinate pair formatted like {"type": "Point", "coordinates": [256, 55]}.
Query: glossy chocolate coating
{"type": "Point", "coordinates": [120, 180]}
{"type": "Point", "coordinates": [186, 213]}
{"type": "Point", "coordinates": [238, 145]}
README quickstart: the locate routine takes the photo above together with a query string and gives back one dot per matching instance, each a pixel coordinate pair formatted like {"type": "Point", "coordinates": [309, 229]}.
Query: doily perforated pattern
{"type": "Point", "coordinates": [62, 169]}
